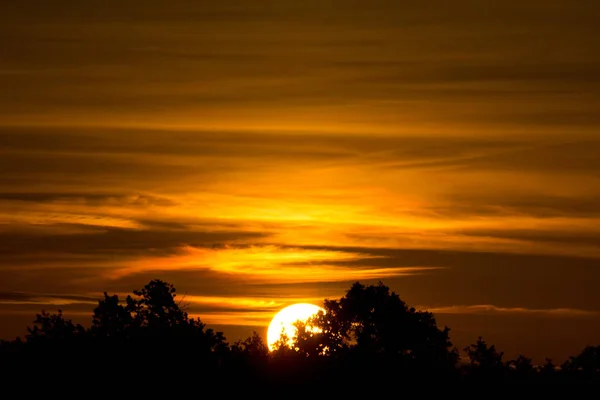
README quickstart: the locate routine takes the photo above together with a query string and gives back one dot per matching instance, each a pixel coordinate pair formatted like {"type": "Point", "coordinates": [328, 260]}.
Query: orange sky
{"type": "Point", "coordinates": [257, 154]}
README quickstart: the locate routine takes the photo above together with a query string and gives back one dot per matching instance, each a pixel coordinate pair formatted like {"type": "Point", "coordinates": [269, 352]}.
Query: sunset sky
{"type": "Point", "coordinates": [261, 153]}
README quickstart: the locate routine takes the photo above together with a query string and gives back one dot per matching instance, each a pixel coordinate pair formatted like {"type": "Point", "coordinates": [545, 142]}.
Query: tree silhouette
{"type": "Point", "coordinates": [50, 337]}
{"type": "Point", "coordinates": [365, 336]}
{"type": "Point", "coordinates": [373, 321]}
{"type": "Point", "coordinates": [521, 368]}
{"type": "Point", "coordinates": [548, 371]}
{"type": "Point", "coordinates": [252, 346]}
{"type": "Point", "coordinates": [284, 346]}
{"type": "Point", "coordinates": [53, 328]}
{"type": "Point", "coordinates": [157, 318]}
{"type": "Point", "coordinates": [486, 361]}
{"type": "Point", "coordinates": [311, 341]}
{"type": "Point", "coordinates": [586, 365]}
{"type": "Point", "coordinates": [327, 333]}
{"type": "Point", "coordinates": [155, 308]}
{"type": "Point", "coordinates": [484, 356]}
{"type": "Point", "coordinates": [111, 319]}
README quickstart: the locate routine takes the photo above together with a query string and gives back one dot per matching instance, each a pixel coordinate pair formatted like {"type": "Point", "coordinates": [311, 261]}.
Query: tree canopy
{"type": "Point", "coordinates": [373, 321]}
{"type": "Point", "coordinates": [368, 332]}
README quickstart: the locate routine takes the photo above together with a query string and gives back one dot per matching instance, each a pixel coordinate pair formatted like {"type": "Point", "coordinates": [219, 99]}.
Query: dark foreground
{"type": "Point", "coordinates": [369, 342]}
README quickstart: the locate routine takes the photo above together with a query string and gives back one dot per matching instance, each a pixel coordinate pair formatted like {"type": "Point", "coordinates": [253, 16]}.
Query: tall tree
{"type": "Point", "coordinates": [111, 319]}
{"type": "Point", "coordinates": [53, 328]}
{"type": "Point", "coordinates": [372, 320]}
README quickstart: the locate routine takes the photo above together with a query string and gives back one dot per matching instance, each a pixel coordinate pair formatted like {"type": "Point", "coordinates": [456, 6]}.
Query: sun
{"type": "Point", "coordinates": [284, 321]}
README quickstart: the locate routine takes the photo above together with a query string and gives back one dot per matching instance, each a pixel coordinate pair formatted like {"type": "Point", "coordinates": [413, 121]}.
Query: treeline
{"type": "Point", "coordinates": [369, 336]}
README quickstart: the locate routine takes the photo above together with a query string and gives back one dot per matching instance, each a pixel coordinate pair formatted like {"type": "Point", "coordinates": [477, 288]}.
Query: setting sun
{"type": "Point", "coordinates": [281, 195]}
{"type": "Point", "coordinates": [284, 321]}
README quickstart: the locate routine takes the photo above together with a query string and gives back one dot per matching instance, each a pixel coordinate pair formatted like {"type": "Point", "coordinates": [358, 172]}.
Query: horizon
{"type": "Point", "coordinates": [261, 154]}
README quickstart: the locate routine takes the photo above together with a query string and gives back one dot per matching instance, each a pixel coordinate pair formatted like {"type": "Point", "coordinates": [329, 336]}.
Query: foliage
{"type": "Point", "coordinates": [252, 346]}
{"type": "Point", "coordinates": [373, 321]}
{"type": "Point", "coordinates": [367, 334]}
{"type": "Point", "coordinates": [483, 356]}
{"type": "Point", "coordinates": [53, 328]}
{"type": "Point", "coordinates": [586, 365]}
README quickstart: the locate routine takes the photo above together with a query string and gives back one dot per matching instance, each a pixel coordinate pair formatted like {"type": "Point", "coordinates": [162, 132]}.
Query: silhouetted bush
{"type": "Point", "coordinates": [367, 338]}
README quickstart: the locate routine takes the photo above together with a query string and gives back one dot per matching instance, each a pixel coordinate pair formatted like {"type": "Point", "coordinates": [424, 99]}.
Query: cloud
{"type": "Point", "coordinates": [467, 61]}
{"type": "Point", "coordinates": [570, 239]}
{"type": "Point", "coordinates": [491, 309]}
{"type": "Point", "coordinates": [568, 156]}
{"type": "Point", "coordinates": [93, 199]}
{"type": "Point", "coordinates": [268, 263]}
{"type": "Point", "coordinates": [177, 149]}
{"type": "Point", "coordinates": [49, 299]}
{"type": "Point", "coordinates": [543, 206]}
{"type": "Point", "coordinates": [448, 149]}
{"type": "Point", "coordinates": [120, 243]}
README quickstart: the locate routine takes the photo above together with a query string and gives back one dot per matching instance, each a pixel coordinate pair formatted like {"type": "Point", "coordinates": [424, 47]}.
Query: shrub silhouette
{"type": "Point", "coordinates": [368, 335]}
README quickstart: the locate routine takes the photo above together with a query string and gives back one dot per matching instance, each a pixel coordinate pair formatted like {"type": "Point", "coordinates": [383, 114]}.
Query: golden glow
{"type": "Point", "coordinates": [284, 320]}
{"type": "Point", "coordinates": [258, 171]}
{"type": "Point", "coordinates": [268, 264]}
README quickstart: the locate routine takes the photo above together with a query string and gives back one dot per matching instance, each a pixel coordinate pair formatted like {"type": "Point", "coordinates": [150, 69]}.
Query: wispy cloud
{"type": "Point", "coordinates": [44, 299]}
{"type": "Point", "coordinates": [491, 309]}
{"type": "Point", "coordinates": [269, 264]}
{"type": "Point", "coordinates": [321, 149]}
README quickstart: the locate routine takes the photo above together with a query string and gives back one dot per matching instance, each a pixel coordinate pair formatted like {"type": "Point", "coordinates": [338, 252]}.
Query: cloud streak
{"type": "Point", "coordinates": [47, 299]}
{"type": "Point", "coordinates": [269, 264]}
{"type": "Point", "coordinates": [491, 309]}
{"type": "Point", "coordinates": [270, 151]}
